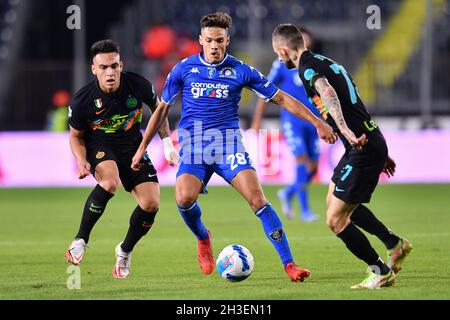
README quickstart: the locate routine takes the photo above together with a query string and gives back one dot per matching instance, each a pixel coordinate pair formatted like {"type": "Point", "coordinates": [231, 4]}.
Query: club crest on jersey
{"type": "Point", "coordinates": [132, 103]}
{"type": "Point", "coordinates": [100, 155]}
{"type": "Point", "coordinates": [211, 72]}
{"type": "Point", "coordinates": [98, 103]}
{"type": "Point", "coordinates": [309, 73]}
{"type": "Point", "coordinates": [276, 235]}
{"type": "Point", "coordinates": [228, 72]}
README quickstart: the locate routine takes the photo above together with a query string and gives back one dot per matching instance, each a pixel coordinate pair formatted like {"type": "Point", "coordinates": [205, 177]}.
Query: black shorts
{"type": "Point", "coordinates": [98, 153]}
{"type": "Point", "coordinates": [357, 174]}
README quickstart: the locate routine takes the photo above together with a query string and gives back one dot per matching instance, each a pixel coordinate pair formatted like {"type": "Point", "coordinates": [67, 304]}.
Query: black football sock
{"type": "Point", "coordinates": [140, 224]}
{"type": "Point", "coordinates": [360, 246]}
{"type": "Point", "coordinates": [93, 210]}
{"type": "Point", "coordinates": [365, 219]}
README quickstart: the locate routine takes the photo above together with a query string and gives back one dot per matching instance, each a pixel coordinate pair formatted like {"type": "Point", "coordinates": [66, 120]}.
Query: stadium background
{"type": "Point", "coordinates": [401, 70]}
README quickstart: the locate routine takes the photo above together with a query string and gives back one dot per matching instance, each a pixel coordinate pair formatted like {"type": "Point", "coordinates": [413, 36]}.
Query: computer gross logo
{"type": "Point", "coordinates": [210, 90]}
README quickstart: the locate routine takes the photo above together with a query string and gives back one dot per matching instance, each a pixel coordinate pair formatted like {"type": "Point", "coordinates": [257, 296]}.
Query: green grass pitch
{"type": "Point", "coordinates": [37, 225]}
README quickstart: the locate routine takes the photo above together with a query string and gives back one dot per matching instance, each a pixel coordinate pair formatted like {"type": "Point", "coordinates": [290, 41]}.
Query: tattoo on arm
{"type": "Point", "coordinates": [331, 100]}
{"type": "Point", "coordinates": [164, 131]}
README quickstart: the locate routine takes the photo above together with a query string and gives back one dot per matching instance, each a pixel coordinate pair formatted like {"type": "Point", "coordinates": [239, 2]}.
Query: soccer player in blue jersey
{"type": "Point", "coordinates": [300, 135]}
{"type": "Point", "coordinates": [211, 84]}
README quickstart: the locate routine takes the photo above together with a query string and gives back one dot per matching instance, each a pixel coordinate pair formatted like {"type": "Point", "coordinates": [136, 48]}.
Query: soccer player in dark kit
{"type": "Point", "coordinates": [334, 93]}
{"type": "Point", "coordinates": [300, 136]}
{"type": "Point", "coordinates": [105, 118]}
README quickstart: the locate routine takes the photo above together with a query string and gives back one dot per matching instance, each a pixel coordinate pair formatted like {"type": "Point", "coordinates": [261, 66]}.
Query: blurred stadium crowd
{"type": "Point", "coordinates": [401, 69]}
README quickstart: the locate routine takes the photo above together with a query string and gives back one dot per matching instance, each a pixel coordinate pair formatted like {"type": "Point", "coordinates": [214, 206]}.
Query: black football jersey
{"type": "Point", "coordinates": [314, 66]}
{"type": "Point", "coordinates": [113, 118]}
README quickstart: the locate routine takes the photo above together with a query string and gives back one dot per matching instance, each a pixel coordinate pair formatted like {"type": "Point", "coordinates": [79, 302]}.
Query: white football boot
{"type": "Point", "coordinates": [122, 267]}
{"type": "Point", "coordinates": [76, 250]}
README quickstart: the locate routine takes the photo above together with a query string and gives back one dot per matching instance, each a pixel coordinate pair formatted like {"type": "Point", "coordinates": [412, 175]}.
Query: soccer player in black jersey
{"type": "Point", "coordinates": [334, 93]}
{"type": "Point", "coordinates": [105, 118]}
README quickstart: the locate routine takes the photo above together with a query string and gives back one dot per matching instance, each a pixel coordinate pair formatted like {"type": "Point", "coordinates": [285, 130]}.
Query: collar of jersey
{"type": "Point", "coordinates": [305, 55]}
{"type": "Point", "coordinates": [212, 64]}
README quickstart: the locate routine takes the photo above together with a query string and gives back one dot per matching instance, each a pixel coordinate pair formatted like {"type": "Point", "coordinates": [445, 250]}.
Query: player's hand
{"type": "Point", "coordinates": [355, 142]}
{"type": "Point", "coordinates": [84, 169]}
{"type": "Point", "coordinates": [389, 167]}
{"type": "Point", "coordinates": [136, 161]}
{"type": "Point", "coordinates": [326, 133]}
{"type": "Point", "coordinates": [170, 153]}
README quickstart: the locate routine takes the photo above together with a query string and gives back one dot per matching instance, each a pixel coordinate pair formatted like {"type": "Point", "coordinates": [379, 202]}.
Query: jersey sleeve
{"type": "Point", "coordinates": [149, 96]}
{"type": "Point", "coordinates": [173, 86]}
{"type": "Point", "coordinates": [276, 75]}
{"type": "Point", "coordinates": [76, 118]}
{"type": "Point", "coordinates": [259, 84]}
{"type": "Point", "coordinates": [309, 74]}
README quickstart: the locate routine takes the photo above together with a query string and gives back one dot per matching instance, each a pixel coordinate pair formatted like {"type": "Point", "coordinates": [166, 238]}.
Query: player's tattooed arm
{"type": "Point", "coordinates": [164, 131]}
{"type": "Point", "coordinates": [331, 100]}
{"type": "Point", "coordinates": [154, 125]}
{"type": "Point", "coordinates": [170, 153]}
{"type": "Point", "coordinates": [298, 109]}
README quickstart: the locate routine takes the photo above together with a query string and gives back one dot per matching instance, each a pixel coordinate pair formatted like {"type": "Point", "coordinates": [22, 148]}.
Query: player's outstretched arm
{"type": "Point", "coordinates": [331, 100]}
{"type": "Point", "coordinates": [170, 153]}
{"type": "Point", "coordinates": [297, 108]}
{"type": "Point", "coordinates": [154, 125]}
{"type": "Point", "coordinates": [164, 131]}
{"type": "Point", "coordinates": [258, 115]}
{"type": "Point", "coordinates": [78, 147]}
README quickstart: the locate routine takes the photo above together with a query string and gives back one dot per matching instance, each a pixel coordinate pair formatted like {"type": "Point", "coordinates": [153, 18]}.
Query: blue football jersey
{"type": "Point", "coordinates": [211, 92]}
{"type": "Point", "coordinates": [289, 81]}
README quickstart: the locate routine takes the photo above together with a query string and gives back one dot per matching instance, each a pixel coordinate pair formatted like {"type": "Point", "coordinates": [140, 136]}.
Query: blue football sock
{"type": "Point", "coordinates": [290, 191]}
{"type": "Point", "coordinates": [302, 187]}
{"type": "Point", "coordinates": [275, 233]}
{"type": "Point", "coordinates": [192, 217]}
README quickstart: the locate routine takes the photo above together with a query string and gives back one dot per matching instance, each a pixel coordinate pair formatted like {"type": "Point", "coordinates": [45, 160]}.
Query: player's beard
{"type": "Point", "coordinates": [111, 88]}
{"type": "Point", "coordinates": [289, 64]}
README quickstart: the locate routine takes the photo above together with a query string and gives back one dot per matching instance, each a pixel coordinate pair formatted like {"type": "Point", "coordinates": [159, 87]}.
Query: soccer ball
{"type": "Point", "coordinates": [235, 263]}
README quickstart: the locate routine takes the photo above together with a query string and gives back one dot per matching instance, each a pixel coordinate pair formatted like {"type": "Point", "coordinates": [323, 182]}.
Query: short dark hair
{"type": "Point", "coordinates": [104, 46]}
{"type": "Point", "coordinates": [217, 19]}
{"type": "Point", "coordinates": [291, 34]}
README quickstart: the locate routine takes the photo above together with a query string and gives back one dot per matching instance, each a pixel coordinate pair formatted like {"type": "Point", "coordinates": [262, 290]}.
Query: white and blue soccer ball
{"type": "Point", "coordinates": [235, 263]}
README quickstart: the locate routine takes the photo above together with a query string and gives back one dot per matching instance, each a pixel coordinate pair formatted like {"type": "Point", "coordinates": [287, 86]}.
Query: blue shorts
{"type": "Point", "coordinates": [227, 166]}
{"type": "Point", "coordinates": [301, 138]}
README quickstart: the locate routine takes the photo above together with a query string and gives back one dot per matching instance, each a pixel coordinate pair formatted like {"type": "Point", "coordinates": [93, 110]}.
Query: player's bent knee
{"type": "Point", "coordinates": [185, 196]}
{"type": "Point", "coordinates": [150, 206]}
{"type": "Point", "coordinates": [332, 224]}
{"type": "Point", "coordinates": [186, 199]}
{"type": "Point", "coordinates": [257, 202]}
{"type": "Point", "coordinates": [336, 224]}
{"type": "Point", "coordinates": [110, 185]}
